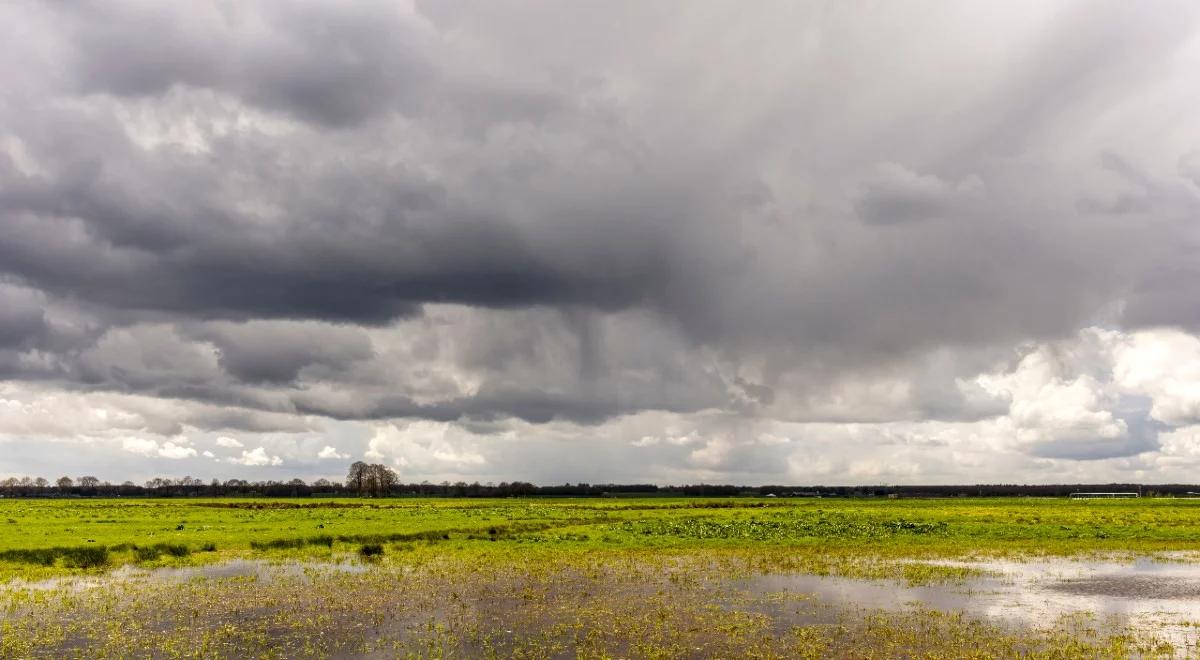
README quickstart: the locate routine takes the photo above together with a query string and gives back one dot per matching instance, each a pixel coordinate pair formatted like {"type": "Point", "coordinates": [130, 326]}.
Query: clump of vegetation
{"type": "Point", "coordinates": [281, 544]}
{"type": "Point", "coordinates": [84, 556]}
{"type": "Point", "coordinates": [370, 550]}
{"type": "Point", "coordinates": [153, 552]}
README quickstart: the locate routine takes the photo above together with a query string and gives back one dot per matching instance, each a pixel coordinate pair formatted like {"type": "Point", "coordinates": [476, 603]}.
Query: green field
{"type": "Point", "coordinates": [449, 576]}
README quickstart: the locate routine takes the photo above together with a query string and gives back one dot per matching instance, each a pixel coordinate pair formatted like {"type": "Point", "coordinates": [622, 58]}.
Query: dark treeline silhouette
{"type": "Point", "coordinates": [365, 480]}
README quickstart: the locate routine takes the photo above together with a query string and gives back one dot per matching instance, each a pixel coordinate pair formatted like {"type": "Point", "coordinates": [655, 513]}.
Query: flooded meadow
{"type": "Point", "coordinates": [644, 579]}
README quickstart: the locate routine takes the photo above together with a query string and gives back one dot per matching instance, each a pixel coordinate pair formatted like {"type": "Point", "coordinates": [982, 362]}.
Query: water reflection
{"type": "Point", "coordinates": [1157, 595]}
{"type": "Point", "coordinates": [237, 568]}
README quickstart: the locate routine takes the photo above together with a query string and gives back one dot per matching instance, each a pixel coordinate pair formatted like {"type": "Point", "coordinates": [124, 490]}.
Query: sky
{"type": "Point", "coordinates": [659, 242]}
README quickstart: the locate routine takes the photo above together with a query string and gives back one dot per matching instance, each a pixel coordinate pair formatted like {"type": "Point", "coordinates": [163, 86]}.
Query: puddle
{"type": "Point", "coordinates": [1155, 595]}
{"type": "Point", "coordinates": [237, 568]}
{"type": "Point", "coordinates": [1131, 586]}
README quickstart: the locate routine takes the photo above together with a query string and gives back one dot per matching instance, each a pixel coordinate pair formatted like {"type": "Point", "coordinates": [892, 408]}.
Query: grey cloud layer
{"type": "Point", "coordinates": [483, 212]}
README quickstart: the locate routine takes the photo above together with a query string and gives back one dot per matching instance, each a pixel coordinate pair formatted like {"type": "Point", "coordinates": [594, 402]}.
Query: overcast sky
{"type": "Point", "coordinates": [749, 242]}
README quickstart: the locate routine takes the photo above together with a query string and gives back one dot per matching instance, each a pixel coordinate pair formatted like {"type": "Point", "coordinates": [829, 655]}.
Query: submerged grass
{"type": "Point", "coordinates": [602, 604]}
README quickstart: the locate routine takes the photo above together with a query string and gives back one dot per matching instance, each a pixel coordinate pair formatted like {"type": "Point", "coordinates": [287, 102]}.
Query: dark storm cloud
{"type": "Point", "coordinates": [21, 317]}
{"type": "Point", "coordinates": [895, 195]}
{"type": "Point", "coordinates": [363, 248]}
{"type": "Point", "coordinates": [358, 238]}
{"type": "Point", "coordinates": [334, 65]}
{"type": "Point", "coordinates": [243, 203]}
{"type": "Point", "coordinates": [260, 352]}
{"type": "Point", "coordinates": [528, 405]}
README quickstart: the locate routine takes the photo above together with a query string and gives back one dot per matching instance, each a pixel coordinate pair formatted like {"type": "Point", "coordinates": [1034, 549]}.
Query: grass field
{"type": "Point", "coordinates": [613, 577]}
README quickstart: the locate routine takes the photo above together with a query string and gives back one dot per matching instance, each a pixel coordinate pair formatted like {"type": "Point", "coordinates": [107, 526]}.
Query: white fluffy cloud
{"type": "Point", "coordinates": [422, 446]}
{"type": "Point", "coordinates": [226, 441]}
{"type": "Point", "coordinates": [1054, 410]}
{"type": "Point", "coordinates": [257, 457]}
{"type": "Point", "coordinates": [329, 452]}
{"type": "Point", "coordinates": [1163, 365]}
{"type": "Point", "coordinates": [140, 446]}
{"type": "Point", "coordinates": [147, 447]}
{"type": "Point", "coordinates": [172, 450]}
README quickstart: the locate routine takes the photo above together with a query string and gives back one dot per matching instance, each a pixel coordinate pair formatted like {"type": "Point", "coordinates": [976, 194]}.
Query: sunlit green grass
{"type": "Point", "coordinates": [211, 529]}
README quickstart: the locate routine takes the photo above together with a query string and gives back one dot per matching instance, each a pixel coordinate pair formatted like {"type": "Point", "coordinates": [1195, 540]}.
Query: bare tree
{"type": "Point", "coordinates": [371, 480]}
{"type": "Point", "coordinates": [88, 482]}
{"type": "Point", "coordinates": [64, 483]}
{"type": "Point", "coordinates": [356, 478]}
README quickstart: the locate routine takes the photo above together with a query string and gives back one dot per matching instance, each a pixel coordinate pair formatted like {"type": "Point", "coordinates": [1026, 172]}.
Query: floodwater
{"type": "Point", "coordinates": [236, 568]}
{"type": "Point", "coordinates": [1158, 595]}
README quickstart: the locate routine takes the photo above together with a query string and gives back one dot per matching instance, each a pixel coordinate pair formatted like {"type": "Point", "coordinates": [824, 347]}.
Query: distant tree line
{"type": "Point", "coordinates": [365, 480]}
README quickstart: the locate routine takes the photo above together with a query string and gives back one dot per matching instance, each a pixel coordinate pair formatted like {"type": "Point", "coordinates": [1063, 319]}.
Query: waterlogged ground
{"type": "Point", "coordinates": [621, 606]}
{"type": "Point", "coordinates": [569, 578]}
{"type": "Point", "coordinates": [1156, 596]}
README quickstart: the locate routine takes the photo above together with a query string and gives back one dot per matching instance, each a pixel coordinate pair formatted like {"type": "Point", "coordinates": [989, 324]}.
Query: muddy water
{"type": "Point", "coordinates": [1157, 595]}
